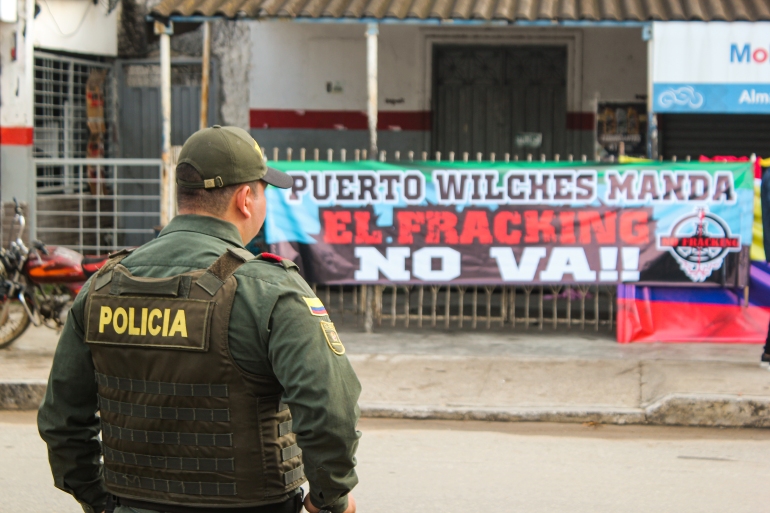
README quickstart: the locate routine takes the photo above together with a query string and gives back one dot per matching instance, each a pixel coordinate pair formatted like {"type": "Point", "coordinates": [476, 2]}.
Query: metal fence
{"type": "Point", "coordinates": [461, 307]}
{"type": "Point", "coordinates": [96, 206]}
{"type": "Point", "coordinates": [472, 307]}
{"type": "Point", "coordinates": [408, 156]}
{"type": "Point", "coordinates": [303, 154]}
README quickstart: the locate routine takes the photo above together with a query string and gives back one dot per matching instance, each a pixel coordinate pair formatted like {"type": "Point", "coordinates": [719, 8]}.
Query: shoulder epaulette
{"type": "Point", "coordinates": [276, 259]}
{"type": "Point", "coordinates": [271, 257]}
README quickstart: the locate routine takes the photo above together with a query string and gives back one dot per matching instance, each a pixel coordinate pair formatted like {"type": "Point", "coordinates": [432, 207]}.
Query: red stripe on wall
{"type": "Point", "coordinates": [16, 135]}
{"type": "Point", "coordinates": [356, 120]}
{"type": "Point", "coordinates": [339, 119]}
{"type": "Point", "coordinates": [404, 120]}
{"type": "Point", "coordinates": [581, 121]}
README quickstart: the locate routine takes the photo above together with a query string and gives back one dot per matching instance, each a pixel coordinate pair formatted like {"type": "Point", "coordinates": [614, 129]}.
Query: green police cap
{"type": "Point", "coordinates": [227, 155]}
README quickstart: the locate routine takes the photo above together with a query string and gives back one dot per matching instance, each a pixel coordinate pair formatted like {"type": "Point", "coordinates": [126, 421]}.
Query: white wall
{"type": "Point", "coordinates": [94, 34]}
{"type": "Point", "coordinates": [14, 111]}
{"type": "Point", "coordinates": [15, 92]}
{"type": "Point", "coordinates": [614, 65]}
{"type": "Point", "coordinates": [292, 63]}
{"type": "Point", "coordinates": [77, 26]}
{"type": "Point", "coordinates": [402, 68]}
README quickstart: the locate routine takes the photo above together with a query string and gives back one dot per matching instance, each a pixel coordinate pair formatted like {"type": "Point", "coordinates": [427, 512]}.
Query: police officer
{"type": "Point", "coordinates": [219, 379]}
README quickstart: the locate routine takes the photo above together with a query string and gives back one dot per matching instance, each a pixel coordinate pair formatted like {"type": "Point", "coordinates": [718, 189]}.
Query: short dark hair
{"type": "Point", "coordinates": [212, 201]}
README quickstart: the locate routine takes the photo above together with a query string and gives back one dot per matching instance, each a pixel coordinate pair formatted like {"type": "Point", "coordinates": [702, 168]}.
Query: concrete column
{"type": "Point", "coordinates": [167, 176]}
{"type": "Point", "coordinates": [205, 73]}
{"type": "Point", "coordinates": [371, 114]}
{"type": "Point", "coordinates": [652, 118]}
{"type": "Point", "coordinates": [371, 86]}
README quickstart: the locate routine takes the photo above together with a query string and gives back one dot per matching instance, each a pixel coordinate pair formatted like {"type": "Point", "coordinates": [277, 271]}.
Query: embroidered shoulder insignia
{"type": "Point", "coordinates": [315, 306]}
{"type": "Point", "coordinates": [332, 338]}
{"type": "Point", "coordinates": [271, 257]}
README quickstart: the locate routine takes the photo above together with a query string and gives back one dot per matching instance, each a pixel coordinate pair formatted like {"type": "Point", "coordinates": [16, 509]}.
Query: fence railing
{"type": "Point", "coordinates": [96, 206]}
{"type": "Point", "coordinates": [303, 154]}
{"type": "Point", "coordinates": [460, 307]}
{"type": "Point", "coordinates": [472, 307]}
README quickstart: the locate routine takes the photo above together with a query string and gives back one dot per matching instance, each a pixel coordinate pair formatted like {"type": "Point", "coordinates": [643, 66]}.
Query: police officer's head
{"type": "Point", "coordinates": [222, 173]}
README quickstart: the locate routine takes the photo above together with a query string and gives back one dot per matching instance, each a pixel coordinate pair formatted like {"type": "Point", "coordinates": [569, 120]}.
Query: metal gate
{"type": "Point", "coordinates": [509, 99]}
{"type": "Point", "coordinates": [61, 145]}
{"type": "Point", "coordinates": [140, 131]}
{"type": "Point", "coordinates": [96, 211]}
{"type": "Point", "coordinates": [139, 89]}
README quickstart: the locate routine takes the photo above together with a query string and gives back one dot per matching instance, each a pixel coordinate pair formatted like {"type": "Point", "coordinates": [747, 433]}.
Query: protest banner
{"type": "Point", "coordinates": [515, 223]}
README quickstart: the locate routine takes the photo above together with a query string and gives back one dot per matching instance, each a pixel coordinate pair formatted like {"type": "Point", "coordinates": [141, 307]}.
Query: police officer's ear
{"type": "Point", "coordinates": [249, 200]}
{"type": "Point", "coordinates": [244, 198]}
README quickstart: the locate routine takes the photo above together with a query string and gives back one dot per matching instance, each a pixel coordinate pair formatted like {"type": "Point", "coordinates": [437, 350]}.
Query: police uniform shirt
{"type": "Point", "coordinates": [278, 328]}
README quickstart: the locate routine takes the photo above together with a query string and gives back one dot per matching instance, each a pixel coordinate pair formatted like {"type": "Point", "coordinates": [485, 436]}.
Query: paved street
{"type": "Point", "coordinates": [454, 467]}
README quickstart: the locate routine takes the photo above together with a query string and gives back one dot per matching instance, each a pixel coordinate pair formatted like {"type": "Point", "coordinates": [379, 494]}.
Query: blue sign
{"type": "Point", "coordinates": [712, 98]}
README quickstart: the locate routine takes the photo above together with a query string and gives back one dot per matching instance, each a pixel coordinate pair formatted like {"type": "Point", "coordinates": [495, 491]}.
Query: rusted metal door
{"type": "Point", "coordinates": [501, 99]}
{"type": "Point", "coordinates": [140, 123]}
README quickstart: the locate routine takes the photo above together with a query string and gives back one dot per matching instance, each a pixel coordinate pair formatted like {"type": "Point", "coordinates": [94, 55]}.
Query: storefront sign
{"type": "Point", "coordinates": [498, 223]}
{"type": "Point", "coordinates": [711, 67]}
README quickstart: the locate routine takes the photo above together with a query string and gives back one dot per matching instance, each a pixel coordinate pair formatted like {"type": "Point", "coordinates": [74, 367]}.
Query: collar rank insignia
{"type": "Point", "coordinates": [316, 307]}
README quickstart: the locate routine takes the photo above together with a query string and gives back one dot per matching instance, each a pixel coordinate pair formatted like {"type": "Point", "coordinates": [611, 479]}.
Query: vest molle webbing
{"type": "Point", "coordinates": [181, 422]}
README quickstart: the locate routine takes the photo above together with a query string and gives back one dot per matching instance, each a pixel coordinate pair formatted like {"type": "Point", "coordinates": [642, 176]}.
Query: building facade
{"type": "Point", "coordinates": [454, 79]}
{"type": "Point", "coordinates": [447, 89]}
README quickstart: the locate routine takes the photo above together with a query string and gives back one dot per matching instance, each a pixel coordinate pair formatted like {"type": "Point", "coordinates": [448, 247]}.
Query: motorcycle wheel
{"type": "Point", "coordinates": [13, 321]}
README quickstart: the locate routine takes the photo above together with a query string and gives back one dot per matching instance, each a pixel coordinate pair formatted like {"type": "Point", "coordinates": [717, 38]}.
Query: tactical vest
{"type": "Point", "coordinates": [182, 424]}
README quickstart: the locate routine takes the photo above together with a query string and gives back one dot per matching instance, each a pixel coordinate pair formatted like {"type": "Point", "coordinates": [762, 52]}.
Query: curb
{"type": "Point", "coordinates": [710, 411]}
{"type": "Point", "coordinates": [565, 415]}
{"type": "Point", "coordinates": [21, 394]}
{"type": "Point", "coordinates": [672, 410]}
{"type": "Point", "coordinates": [693, 410]}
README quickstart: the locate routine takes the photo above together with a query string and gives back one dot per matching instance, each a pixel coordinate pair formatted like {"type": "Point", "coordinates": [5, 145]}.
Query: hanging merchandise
{"type": "Point", "coordinates": [621, 128]}
{"type": "Point", "coordinates": [96, 127]}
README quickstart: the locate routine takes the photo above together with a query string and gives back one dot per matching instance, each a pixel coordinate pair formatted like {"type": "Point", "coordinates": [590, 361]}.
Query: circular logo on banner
{"type": "Point", "coordinates": [700, 242]}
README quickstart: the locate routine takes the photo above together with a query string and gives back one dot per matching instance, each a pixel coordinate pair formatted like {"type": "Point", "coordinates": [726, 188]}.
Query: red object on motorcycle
{"type": "Point", "coordinates": [92, 264]}
{"type": "Point", "coordinates": [60, 265]}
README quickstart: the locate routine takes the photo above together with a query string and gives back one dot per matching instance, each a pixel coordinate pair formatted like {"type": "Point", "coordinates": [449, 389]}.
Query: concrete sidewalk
{"type": "Point", "coordinates": [522, 375]}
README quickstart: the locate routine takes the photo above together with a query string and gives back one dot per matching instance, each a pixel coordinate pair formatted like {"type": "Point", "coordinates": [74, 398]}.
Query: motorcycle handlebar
{"type": "Point", "coordinates": [40, 246]}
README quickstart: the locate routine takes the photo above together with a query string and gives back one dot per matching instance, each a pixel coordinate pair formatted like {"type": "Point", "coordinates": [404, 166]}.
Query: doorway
{"type": "Point", "coordinates": [500, 99]}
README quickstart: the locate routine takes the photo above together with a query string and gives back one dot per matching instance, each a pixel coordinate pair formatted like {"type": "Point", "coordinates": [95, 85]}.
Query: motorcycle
{"type": "Point", "coordinates": [38, 285]}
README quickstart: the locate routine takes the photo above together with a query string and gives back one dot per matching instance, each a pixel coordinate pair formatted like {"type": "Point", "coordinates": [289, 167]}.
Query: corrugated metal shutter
{"type": "Point", "coordinates": [713, 134]}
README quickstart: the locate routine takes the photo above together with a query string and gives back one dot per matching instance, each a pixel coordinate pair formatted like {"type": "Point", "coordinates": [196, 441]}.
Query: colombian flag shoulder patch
{"type": "Point", "coordinates": [316, 307]}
